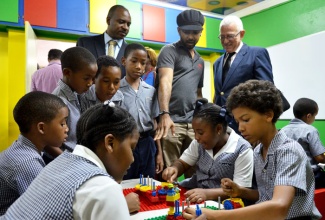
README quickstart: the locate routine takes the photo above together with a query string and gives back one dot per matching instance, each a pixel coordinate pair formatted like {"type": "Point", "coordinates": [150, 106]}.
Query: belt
{"type": "Point", "coordinates": [146, 134]}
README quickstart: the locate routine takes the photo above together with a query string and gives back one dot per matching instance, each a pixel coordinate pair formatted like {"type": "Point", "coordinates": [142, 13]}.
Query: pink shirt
{"type": "Point", "coordinates": [46, 79]}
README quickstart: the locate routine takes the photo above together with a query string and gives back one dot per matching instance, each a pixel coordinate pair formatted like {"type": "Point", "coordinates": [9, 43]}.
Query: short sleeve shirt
{"type": "Point", "coordinates": [286, 164]}
{"type": "Point", "coordinates": [187, 78]}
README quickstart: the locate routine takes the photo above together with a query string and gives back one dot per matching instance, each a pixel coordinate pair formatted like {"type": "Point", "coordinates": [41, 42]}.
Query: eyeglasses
{"type": "Point", "coordinates": [229, 37]}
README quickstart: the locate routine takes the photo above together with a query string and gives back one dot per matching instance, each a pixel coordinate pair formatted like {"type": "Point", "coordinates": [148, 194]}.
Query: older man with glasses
{"type": "Point", "coordinates": [239, 63]}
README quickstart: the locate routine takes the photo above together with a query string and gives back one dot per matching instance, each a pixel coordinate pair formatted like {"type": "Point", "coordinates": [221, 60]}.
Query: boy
{"type": "Point", "coordinates": [107, 81]}
{"type": "Point", "coordinates": [41, 118]}
{"type": "Point", "coordinates": [79, 67]}
{"type": "Point", "coordinates": [300, 129]}
{"type": "Point", "coordinates": [285, 181]}
{"type": "Point", "coordinates": [88, 187]}
{"type": "Point", "coordinates": [141, 101]}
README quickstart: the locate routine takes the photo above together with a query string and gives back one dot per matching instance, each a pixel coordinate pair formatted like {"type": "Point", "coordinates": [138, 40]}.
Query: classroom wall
{"type": "Point", "coordinates": [294, 22]}
{"type": "Point", "coordinates": [273, 26]}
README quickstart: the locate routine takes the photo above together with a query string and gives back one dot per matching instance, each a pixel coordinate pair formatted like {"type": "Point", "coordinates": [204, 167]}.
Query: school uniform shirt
{"type": "Point", "coordinates": [286, 164]}
{"type": "Point", "coordinates": [100, 197]}
{"type": "Point", "coordinates": [117, 98]}
{"type": "Point", "coordinates": [83, 190]}
{"type": "Point", "coordinates": [19, 165]}
{"type": "Point", "coordinates": [77, 104]}
{"type": "Point", "coordinates": [307, 136]}
{"type": "Point", "coordinates": [234, 160]}
{"type": "Point", "coordinates": [141, 104]}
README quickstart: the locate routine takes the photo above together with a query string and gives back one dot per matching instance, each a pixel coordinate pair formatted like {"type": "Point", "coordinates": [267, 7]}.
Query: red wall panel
{"type": "Point", "coordinates": [40, 12]}
{"type": "Point", "coordinates": [154, 23]}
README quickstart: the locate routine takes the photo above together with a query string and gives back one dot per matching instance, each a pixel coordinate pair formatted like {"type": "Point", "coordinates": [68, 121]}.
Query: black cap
{"type": "Point", "coordinates": [190, 20]}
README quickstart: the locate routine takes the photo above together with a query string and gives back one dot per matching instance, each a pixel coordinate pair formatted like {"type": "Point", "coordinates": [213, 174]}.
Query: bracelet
{"type": "Point", "coordinates": [164, 112]}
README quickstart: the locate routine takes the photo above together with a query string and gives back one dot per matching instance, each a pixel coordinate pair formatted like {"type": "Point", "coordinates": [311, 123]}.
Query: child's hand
{"type": "Point", "coordinates": [189, 213]}
{"type": "Point", "coordinates": [133, 201]}
{"type": "Point", "coordinates": [170, 174]}
{"type": "Point", "coordinates": [231, 188]}
{"type": "Point", "coordinates": [196, 195]}
{"type": "Point", "coordinates": [159, 163]}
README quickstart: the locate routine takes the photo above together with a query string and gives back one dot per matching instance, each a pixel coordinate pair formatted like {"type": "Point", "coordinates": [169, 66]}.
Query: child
{"type": "Point", "coordinates": [149, 75]}
{"type": "Point", "coordinates": [79, 67]}
{"type": "Point", "coordinates": [284, 176]}
{"type": "Point", "coordinates": [88, 186]}
{"type": "Point", "coordinates": [107, 81]}
{"type": "Point", "coordinates": [41, 118]}
{"type": "Point", "coordinates": [217, 152]}
{"type": "Point", "coordinates": [300, 129]}
{"type": "Point", "coordinates": [141, 101]}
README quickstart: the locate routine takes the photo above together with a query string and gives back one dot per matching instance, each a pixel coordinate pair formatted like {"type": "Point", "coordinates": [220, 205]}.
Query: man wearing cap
{"type": "Point", "coordinates": [111, 42]}
{"type": "Point", "coordinates": [180, 74]}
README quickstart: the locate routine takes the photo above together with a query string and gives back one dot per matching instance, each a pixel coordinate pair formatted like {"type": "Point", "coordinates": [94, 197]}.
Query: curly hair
{"type": "Point", "coordinates": [36, 107]}
{"type": "Point", "coordinates": [303, 107]}
{"type": "Point", "coordinates": [258, 95]}
{"type": "Point", "coordinates": [100, 120]}
{"type": "Point", "coordinates": [75, 58]}
{"type": "Point", "coordinates": [106, 61]}
{"type": "Point", "coordinates": [211, 113]}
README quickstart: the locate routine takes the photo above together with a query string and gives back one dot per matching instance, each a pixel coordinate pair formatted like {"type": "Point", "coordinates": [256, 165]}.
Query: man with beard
{"type": "Point", "coordinates": [111, 42]}
{"type": "Point", "coordinates": [180, 77]}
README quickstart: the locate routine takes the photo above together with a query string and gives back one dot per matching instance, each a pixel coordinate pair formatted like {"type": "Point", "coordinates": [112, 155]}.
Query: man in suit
{"type": "Point", "coordinates": [118, 24]}
{"type": "Point", "coordinates": [244, 62]}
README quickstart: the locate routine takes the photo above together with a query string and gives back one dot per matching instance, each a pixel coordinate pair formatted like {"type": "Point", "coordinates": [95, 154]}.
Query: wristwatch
{"type": "Point", "coordinates": [164, 112]}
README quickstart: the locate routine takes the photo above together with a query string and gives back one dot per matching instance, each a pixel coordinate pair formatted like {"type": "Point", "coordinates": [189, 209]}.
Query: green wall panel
{"type": "Point", "coordinates": [318, 124]}
{"type": "Point", "coordinates": [212, 32]}
{"type": "Point", "coordinates": [9, 10]}
{"type": "Point", "coordinates": [291, 20]}
{"type": "Point", "coordinates": [135, 10]}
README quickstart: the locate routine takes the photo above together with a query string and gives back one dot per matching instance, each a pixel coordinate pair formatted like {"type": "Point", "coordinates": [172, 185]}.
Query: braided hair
{"type": "Point", "coordinates": [211, 113]}
{"type": "Point", "coordinates": [100, 120]}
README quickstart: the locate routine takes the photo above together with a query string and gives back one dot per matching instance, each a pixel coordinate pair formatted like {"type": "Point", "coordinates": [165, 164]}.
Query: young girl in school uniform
{"type": "Point", "coordinates": [87, 187]}
{"type": "Point", "coordinates": [285, 181]}
{"type": "Point", "coordinates": [217, 152]}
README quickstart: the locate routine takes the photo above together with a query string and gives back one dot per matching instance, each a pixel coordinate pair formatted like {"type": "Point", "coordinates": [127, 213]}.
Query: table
{"type": "Point", "coordinates": [155, 213]}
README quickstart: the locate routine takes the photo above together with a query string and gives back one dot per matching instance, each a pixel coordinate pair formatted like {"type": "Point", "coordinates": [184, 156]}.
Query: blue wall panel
{"type": "Point", "coordinates": [73, 15]}
{"type": "Point", "coordinates": [171, 25]}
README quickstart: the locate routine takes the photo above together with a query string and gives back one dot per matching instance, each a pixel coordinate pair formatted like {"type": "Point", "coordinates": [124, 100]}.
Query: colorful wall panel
{"type": "Point", "coordinates": [41, 13]}
{"type": "Point", "coordinates": [98, 10]}
{"type": "Point", "coordinates": [153, 23]}
{"type": "Point", "coordinates": [171, 25]}
{"type": "Point", "coordinates": [135, 9]}
{"type": "Point", "coordinates": [73, 15]}
{"type": "Point", "coordinates": [203, 39]}
{"type": "Point", "coordinates": [212, 32]}
{"type": "Point", "coordinates": [9, 10]}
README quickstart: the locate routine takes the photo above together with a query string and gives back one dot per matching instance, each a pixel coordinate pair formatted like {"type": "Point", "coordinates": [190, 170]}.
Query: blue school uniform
{"type": "Point", "coordinates": [234, 160]}
{"type": "Point", "coordinates": [286, 164]}
{"type": "Point", "coordinates": [19, 165]}
{"type": "Point", "coordinates": [77, 104]}
{"type": "Point", "coordinates": [143, 106]}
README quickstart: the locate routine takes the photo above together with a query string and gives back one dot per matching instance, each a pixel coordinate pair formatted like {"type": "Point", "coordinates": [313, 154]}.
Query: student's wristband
{"type": "Point", "coordinates": [164, 112]}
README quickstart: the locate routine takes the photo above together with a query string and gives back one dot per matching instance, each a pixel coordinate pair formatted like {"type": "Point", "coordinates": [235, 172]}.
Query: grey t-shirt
{"type": "Point", "coordinates": [187, 78]}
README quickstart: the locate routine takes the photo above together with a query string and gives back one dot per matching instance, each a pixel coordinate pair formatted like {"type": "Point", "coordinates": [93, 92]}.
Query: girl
{"type": "Point", "coordinates": [285, 180]}
{"type": "Point", "coordinates": [84, 184]}
{"type": "Point", "coordinates": [217, 152]}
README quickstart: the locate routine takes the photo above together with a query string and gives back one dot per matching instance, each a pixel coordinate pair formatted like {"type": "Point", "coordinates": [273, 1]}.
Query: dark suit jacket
{"type": "Point", "coordinates": [95, 44]}
{"type": "Point", "coordinates": [249, 63]}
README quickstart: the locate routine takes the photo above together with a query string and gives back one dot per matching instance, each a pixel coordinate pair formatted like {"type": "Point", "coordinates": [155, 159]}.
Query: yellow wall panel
{"type": "Point", "coordinates": [203, 39]}
{"type": "Point", "coordinates": [4, 91]}
{"type": "Point", "coordinates": [98, 13]}
{"type": "Point", "coordinates": [16, 75]}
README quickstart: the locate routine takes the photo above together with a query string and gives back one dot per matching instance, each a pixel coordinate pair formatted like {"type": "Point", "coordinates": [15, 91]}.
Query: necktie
{"type": "Point", "coordinates": [226, 67]}
{"type": "Point", "coordinates": [111, 48]}
{"type": "Point", "coordinates": [82, 107]}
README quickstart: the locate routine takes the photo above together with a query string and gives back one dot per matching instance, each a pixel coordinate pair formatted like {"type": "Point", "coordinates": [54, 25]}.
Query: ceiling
{"type": "Point", "coordinates": [221, 7]}
{"type": "Point", "coordinates": [218, 8]}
